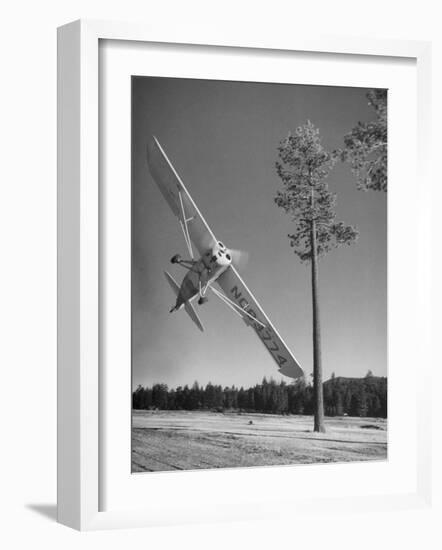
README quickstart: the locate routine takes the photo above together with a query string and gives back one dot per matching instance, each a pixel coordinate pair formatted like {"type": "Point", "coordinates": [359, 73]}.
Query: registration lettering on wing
{"type": "Point", "coordinates": [265, 333]}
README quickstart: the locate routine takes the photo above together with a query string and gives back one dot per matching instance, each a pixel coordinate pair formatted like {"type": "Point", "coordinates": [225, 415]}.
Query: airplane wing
{"type": "Point", "coordinates": [194, 226]}
{"type": "Point", "coordinates": [237, 292]}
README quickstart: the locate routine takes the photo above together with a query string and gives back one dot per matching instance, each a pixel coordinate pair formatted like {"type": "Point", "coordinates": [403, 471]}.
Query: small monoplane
{"type": "Point", "coordinates": [212, 262]}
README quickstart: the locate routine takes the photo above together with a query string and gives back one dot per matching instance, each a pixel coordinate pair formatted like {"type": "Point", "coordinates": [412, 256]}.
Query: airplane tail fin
{"type": "Point", "coordinates": [192, 314]}
{"type": "Point", "coordinates": [173, 284]}
{"type": "Point", "coordinates": [187, 305]}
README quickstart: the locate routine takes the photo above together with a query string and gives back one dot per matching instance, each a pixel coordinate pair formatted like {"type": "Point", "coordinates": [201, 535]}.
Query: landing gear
{"type": "Point", "coordinates": [202, 300]}
{"type": "Point", "coordinates": [176, 259]}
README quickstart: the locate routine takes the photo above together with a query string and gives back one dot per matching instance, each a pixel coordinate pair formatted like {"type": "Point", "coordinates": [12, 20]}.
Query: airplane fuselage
{"type": "Point", "coordinates": [203, 272]}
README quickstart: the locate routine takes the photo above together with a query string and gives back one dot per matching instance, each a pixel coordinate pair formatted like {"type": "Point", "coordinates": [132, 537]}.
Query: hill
{"type": "Point", "coordinates": [356, 396]}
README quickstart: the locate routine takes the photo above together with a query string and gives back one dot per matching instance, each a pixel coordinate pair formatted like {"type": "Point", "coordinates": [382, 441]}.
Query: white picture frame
{"type": "Point", "coordinates": [79, 275]}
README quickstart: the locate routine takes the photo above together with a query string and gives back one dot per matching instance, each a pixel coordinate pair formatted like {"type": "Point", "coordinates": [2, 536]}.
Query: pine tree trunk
{"type": "Point", "coordinates": [317, 363]}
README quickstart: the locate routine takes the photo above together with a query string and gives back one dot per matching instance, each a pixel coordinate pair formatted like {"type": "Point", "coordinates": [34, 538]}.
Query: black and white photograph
{"type": "Point", "coordinates": [221, 274]}
{"type": "Point", "coordinates": [259, 274]}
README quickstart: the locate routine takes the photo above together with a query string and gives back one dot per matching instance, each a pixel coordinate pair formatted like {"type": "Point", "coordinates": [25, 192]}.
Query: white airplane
{"type": "Point", "coordinates": [214, 264]}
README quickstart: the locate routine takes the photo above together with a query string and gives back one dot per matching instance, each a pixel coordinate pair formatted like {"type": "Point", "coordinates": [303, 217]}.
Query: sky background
{"type": "Point", "coordinates": [222, 139]}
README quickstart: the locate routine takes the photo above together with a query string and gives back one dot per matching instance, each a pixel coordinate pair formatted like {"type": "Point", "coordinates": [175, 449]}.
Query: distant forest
{"type": "Point", "coordinates": [352, 396]}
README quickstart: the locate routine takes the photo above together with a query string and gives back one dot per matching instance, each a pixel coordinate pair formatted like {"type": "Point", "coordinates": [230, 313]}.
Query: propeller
{"type": "Point", "coordinates": [239, 258]}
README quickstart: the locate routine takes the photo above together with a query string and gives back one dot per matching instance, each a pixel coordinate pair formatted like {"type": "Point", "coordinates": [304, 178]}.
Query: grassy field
{"type": "Point", "coordinates": [190, 440]}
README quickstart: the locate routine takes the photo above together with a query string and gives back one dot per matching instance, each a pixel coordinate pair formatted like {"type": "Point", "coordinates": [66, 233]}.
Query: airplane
{"type": "Point", "coordinates": [211, 263]}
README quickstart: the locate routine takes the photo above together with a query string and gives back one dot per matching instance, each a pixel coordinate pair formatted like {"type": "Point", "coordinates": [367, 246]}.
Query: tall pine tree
{"type": "Point", "coordinates": [303, 167]}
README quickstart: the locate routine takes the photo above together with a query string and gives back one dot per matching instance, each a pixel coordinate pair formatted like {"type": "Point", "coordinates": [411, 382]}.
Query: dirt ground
{"type": "Point", "coordinates": [190, 440]}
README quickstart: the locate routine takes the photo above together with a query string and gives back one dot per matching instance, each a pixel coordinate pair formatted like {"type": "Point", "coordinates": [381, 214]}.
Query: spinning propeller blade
{"type": "Point", "coordinates": [239, 258]}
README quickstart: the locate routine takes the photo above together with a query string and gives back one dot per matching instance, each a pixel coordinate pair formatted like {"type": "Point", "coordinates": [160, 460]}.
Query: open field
{"type": "Point", "coordinates": [190, 440]}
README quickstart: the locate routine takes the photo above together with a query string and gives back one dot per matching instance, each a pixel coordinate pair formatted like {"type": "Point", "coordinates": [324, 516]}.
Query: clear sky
{"type": "Point", "coordinates": [221, 138]}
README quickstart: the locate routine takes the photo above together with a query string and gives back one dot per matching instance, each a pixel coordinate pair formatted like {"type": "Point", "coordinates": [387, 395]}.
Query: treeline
{"type": "Point", "coordinates": [352, 396]}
